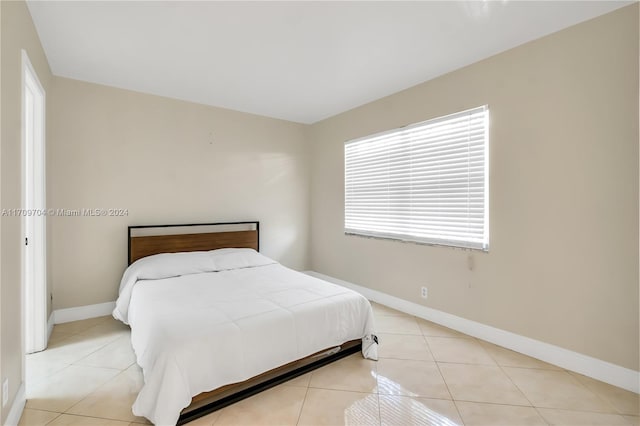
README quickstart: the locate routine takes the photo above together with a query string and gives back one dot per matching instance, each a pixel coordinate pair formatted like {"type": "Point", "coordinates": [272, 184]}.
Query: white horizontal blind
{"type": "Point", "coordinates": [426, 182]}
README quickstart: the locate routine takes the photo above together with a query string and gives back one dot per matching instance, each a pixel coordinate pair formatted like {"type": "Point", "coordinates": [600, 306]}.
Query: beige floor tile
{"type": "Point", "coordinates": [277, 406]}
{"type": "Point", "coordinates": [556, 389]}
{"type": "Point", "coordinates": [65, 388]}
{"type": "Point", "coordinates": [114, 399]}
{"type": "Point", "coordinates": [352, 373]}
{"type": "Point", "coordinates": [36, 417]}
{"type": "Point", "coordinates": [464, 351]}
{"type": "Point", "coordinates": [333, 408]}
{"type": "Point", "coordinates": [300, 381]}
{"type": "Point", "coordinates": [57, 335]}
{"type": "Point", "coordinates": [117, 354]}
{"type": "Point", "coordinates": [411, 378]}
{"type": "Point", "coordinates": [429, 328]}
{"type": "Point", "coordinates": [510, 358]}
{"type": "Point", "coordinates": [404, 410]}
{"type": "Point", "coordinates": [480, 414]}
{"type": "Point", "coordinates": [582, 418]}
{"type": "Point", "coordinates": [75, 327]}
{"type": "Point", "coordinates": [397, 325]}
{"type": "Point", "coordinates": [481, 383]}
{"type": "Point", "coordinates": [403, 346]}
{"type": "Point", "coordinates": [69, 420]}
{"type": "Point", "coordinates": [208, 420]}
{"type": "Point", "coordinates": [55, 340]}
{"type": "Point", "coordinates": [110, 328]}
{"type": "Point", "coordinates": [632, 420]}
{"type": "Point", "coordinates": [38, 368]}
{"type": "Point", "coordinates": [382, 310]}
{"type": "Point", "coordinates": [622, 400]}
{"type": "Point", "coordinates": [73, 349]}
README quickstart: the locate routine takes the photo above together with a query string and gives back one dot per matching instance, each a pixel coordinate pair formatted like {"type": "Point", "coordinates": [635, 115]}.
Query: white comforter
{"type": "Point", "coordinates": [207, 319]}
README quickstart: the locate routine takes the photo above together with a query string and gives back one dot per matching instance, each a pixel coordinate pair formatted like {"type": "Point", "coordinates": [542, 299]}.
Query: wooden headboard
{"type": "Point", "coordinates": [154, 239]}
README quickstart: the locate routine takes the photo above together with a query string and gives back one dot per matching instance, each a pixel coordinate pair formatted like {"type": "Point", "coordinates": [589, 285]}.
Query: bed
{"type": "Point", "coordinates": [214, 321]}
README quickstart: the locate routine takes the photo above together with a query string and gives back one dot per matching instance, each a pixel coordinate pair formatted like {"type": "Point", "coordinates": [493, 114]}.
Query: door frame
{"type": "Point", "coordinates": [34, 262]}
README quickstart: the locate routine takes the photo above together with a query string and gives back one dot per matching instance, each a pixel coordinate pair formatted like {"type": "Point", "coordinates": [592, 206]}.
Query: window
{"type": "Point", "coordinates": [426, 182]}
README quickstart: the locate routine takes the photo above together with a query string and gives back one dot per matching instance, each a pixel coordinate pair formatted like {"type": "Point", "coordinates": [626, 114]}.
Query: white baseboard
{"type": "Point", "coordinates": [13, 418]}
{"type": "Point", "coordinates": [83, 312]}
{"type": "Point", "coordinates": [598, 369]}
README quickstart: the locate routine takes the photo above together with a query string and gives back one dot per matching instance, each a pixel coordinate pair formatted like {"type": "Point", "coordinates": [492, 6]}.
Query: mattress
{"type": "Point", "coordinates": [203, 320]}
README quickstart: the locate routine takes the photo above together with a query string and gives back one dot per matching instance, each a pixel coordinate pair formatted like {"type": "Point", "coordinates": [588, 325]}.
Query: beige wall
{"type": "Point", "coordinates": [18, 33]}
{"type": "Point", "coordinates": [166, 161]}
{"type": "Point", "coordinates": [563, 261]}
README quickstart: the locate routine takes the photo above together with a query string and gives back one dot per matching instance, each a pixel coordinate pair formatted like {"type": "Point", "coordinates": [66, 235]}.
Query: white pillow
{"type": "Point", "coordinates": [237, 258]}
{"type": "Point", "coordinates": [166, 265]}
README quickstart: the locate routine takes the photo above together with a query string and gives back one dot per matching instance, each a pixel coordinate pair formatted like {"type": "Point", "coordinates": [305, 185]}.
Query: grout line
{"type": "Point", "coordinates": [544, 419]}
{"type": "Point", "coordinates": [94, 391]}
{"type": "Point", "coordinates": [495, 363]}
{"type": "Point", "coordinates": [599, 395]}
{"type": "Point", "coordinates": [602, 399]}
{"type": "Point", "coordinates": [442, 376]}
{"type": "Point", "coordinates": [376, 374]}
{"type": "Point", "coordinates": [92, 417]}
{"type": "Point", "coordinates": [59, 414]}
{"type": "Point", "coordinates": [304, 400]}
{"type": "Point", "coordinates": [42, 409]}
{"type": "Point", "coordinates": [513, 382]}
{"type": "Point", "coordinates": [520, 390]}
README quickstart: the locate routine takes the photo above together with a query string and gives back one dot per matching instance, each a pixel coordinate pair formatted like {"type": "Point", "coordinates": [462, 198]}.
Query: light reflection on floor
{"type": "Point", "coordinates": [397, 410]}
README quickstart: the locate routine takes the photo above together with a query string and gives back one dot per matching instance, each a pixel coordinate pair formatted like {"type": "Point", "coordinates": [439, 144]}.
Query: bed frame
{"type": "Point", "coordinates": [155, 239]}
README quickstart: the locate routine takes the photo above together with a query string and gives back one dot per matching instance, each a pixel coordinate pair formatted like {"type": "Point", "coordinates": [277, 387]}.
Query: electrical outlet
{"type": "Point", "coordinates": [423, 292]}
{"type": "Point", "coordinates": [5, 392]}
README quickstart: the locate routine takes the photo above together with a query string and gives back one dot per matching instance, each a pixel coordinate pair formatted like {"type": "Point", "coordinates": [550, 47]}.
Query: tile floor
{"type": "Point", "coordinates": [426, 375]}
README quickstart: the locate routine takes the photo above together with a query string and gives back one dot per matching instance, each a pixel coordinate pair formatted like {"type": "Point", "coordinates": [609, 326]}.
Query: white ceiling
{"type": "Point", "coordinates": [300, 61]}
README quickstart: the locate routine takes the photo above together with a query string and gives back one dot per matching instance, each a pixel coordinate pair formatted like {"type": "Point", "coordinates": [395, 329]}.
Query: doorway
{"type": "Point", "coordinates": [34, 210]}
